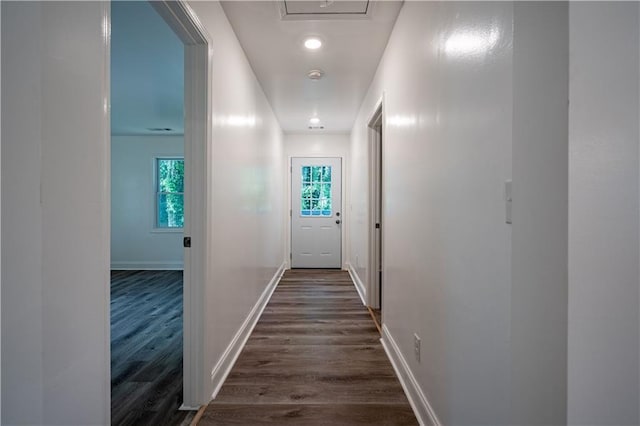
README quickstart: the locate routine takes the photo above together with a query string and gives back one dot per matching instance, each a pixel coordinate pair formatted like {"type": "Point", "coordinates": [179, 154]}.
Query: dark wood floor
{"type": "Point", "coordinates": [146, 348]}
{"type": "Point", "coordinates": [314, 358]}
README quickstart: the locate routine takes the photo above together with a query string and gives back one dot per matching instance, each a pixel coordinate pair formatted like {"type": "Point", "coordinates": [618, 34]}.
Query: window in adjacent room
{"type": "Point", "coordinates": [169, 193]}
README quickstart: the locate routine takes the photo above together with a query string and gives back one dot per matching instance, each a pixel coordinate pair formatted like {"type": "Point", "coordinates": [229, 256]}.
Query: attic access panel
{"type": "Point", "coordinates": [319, 9]}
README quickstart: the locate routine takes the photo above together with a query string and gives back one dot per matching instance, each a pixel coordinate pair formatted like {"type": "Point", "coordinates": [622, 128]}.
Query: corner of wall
{"type": "Point", "coordinates": [539, 276]}
{"type": "Point", "coordinates": [360, 287]}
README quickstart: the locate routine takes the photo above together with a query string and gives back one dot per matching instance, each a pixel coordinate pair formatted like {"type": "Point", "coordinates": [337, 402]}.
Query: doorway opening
{"type": "Point", "coordinates": [147, 217]}
{"type": "Point", "coordinates": [375, 279]}
{"type": "Point", "coordinates": [159, 173]}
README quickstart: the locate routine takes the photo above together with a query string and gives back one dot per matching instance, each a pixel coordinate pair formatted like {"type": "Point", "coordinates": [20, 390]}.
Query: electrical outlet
{"type": "Point", "coordinates": [416, 346]}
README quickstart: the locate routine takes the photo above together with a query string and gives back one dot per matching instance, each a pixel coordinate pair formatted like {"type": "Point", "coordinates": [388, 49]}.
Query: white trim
{"type": "Point", "coordinates": [377, 111]}
{"type": "Point", "coordinates": [230, 355]}
{"type": "Point", "coordinates": [144, 265]}
{"type": "Point", "coordinates": [198, 202]}
{"type": "Point", "coordinates": [357, 283]}
{"type": "Point", "coordinates": [105, 257]}
{"type": "Point", "coordinates": [189, 408]}
{"type": "Point", "coordinates": [421, 407]}
{"type": "Point", "coordinates": [197, 209]}
{"type": "Point", "coordinates": [374, 140]}
{"type": "Point", "coordinates": [166, 230]}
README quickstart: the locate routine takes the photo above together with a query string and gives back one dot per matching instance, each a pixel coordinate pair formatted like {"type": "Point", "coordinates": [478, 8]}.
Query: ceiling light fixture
{"type": "Point", "coordinates": [315, 74]}
{"type": "Point", "coordinates": [314, 120]}
{"type": "Point", "coordinates": [312, 43]}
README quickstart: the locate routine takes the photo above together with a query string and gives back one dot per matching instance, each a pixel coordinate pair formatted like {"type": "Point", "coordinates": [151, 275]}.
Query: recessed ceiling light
{"type": "Point", "coordinates": [314, 120]}
{"type": "Point", "coordinates": [312, 43]}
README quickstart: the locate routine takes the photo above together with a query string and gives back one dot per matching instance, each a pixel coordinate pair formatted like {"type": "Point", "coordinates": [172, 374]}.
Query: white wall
{"type": "Point", "coordinates": [318, 145]}
{"type": "Point", "coordinates": [603, 214]}
{"type": "Point", "coordinates": [56, 291]}
{"type": "Point", "coordinates": [539, 244]}
{"type": "Point", "coordinates": [539, 325]}
{"type": "Point", "coordinates": [55, 197]}
{"type": "Point", "coordinates": [248, 197]}
{"type": "Point", "coordinates": [135, 243]}
{"type": "Point", "coordinates": [447, 79]}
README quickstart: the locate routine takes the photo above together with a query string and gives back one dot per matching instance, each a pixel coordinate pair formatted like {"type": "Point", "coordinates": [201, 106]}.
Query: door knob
{"type": "Point", "coordinates": [338, 221]}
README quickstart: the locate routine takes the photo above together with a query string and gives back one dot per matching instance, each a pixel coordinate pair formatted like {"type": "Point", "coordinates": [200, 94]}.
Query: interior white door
{"type": "Point", "coordinates": [316, 212]}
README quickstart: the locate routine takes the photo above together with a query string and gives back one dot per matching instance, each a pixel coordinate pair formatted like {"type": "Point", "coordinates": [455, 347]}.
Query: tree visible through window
{"type": "Point", "coordinates": [170, 193]}
{"type": "Point", "coordinates": [315, 197]}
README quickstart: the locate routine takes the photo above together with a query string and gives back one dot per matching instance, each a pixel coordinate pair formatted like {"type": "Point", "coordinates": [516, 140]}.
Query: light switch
{"type": "Point", "coordinates": [507, 190]}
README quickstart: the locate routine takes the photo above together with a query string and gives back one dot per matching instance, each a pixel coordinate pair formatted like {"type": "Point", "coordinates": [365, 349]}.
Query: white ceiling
{"type": "Point", "coordinates": [147, 72]}
{"type": "Point", "coordinates": [352, 47]}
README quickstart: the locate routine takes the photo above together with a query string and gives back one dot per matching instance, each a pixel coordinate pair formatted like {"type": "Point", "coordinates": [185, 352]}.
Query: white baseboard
{"type": "Point", "coordinates": [358, 283]}
{"type": "Point", "coordinates": [421, 407]}
{"type": "Point", "coordinates": [147, 266]}
{"type": "Point", "coordinates": [230, 355]}
{"type": "Point", "coordinates": [188, 408]}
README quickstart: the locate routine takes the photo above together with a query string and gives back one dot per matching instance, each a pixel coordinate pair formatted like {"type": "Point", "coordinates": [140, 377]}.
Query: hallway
{"type": "Point", "coordinates": [491, 148]}
{"type": "Point", "coordinates": [313, 358]}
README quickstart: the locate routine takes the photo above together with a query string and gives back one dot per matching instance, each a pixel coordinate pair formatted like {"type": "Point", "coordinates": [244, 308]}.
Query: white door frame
{"type": "Point", "coordinates": [374, 298]}
{"type": "Point", "coordinates": [343, 201]}
{"type": "Point", "coordinates": [197, 153]}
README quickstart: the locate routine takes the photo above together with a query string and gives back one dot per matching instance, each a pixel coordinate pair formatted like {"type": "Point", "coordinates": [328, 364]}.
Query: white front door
{"type": "Point", "coordinates": [316, 212]}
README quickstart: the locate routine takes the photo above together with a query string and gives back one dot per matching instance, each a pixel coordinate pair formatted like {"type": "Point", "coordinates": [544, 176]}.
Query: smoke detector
{"type": "Point", "coordinates": [315, 74]}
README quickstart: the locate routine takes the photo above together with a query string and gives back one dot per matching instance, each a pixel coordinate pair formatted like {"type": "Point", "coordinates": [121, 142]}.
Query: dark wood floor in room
{"type": "Point", "coordinates": [146, 348]}
{"type": "Point", "coordinates": [314, 358]}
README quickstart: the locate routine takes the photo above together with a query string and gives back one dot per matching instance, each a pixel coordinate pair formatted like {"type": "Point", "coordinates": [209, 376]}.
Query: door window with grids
{"type": "Point", "coordinates": [315, 197]}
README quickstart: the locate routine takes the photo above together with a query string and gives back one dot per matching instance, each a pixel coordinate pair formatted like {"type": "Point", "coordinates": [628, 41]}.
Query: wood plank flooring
{"type": "Point", "coordinates": [314, 358]}
{"type": "Point", "coordinates": [146, 348]}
